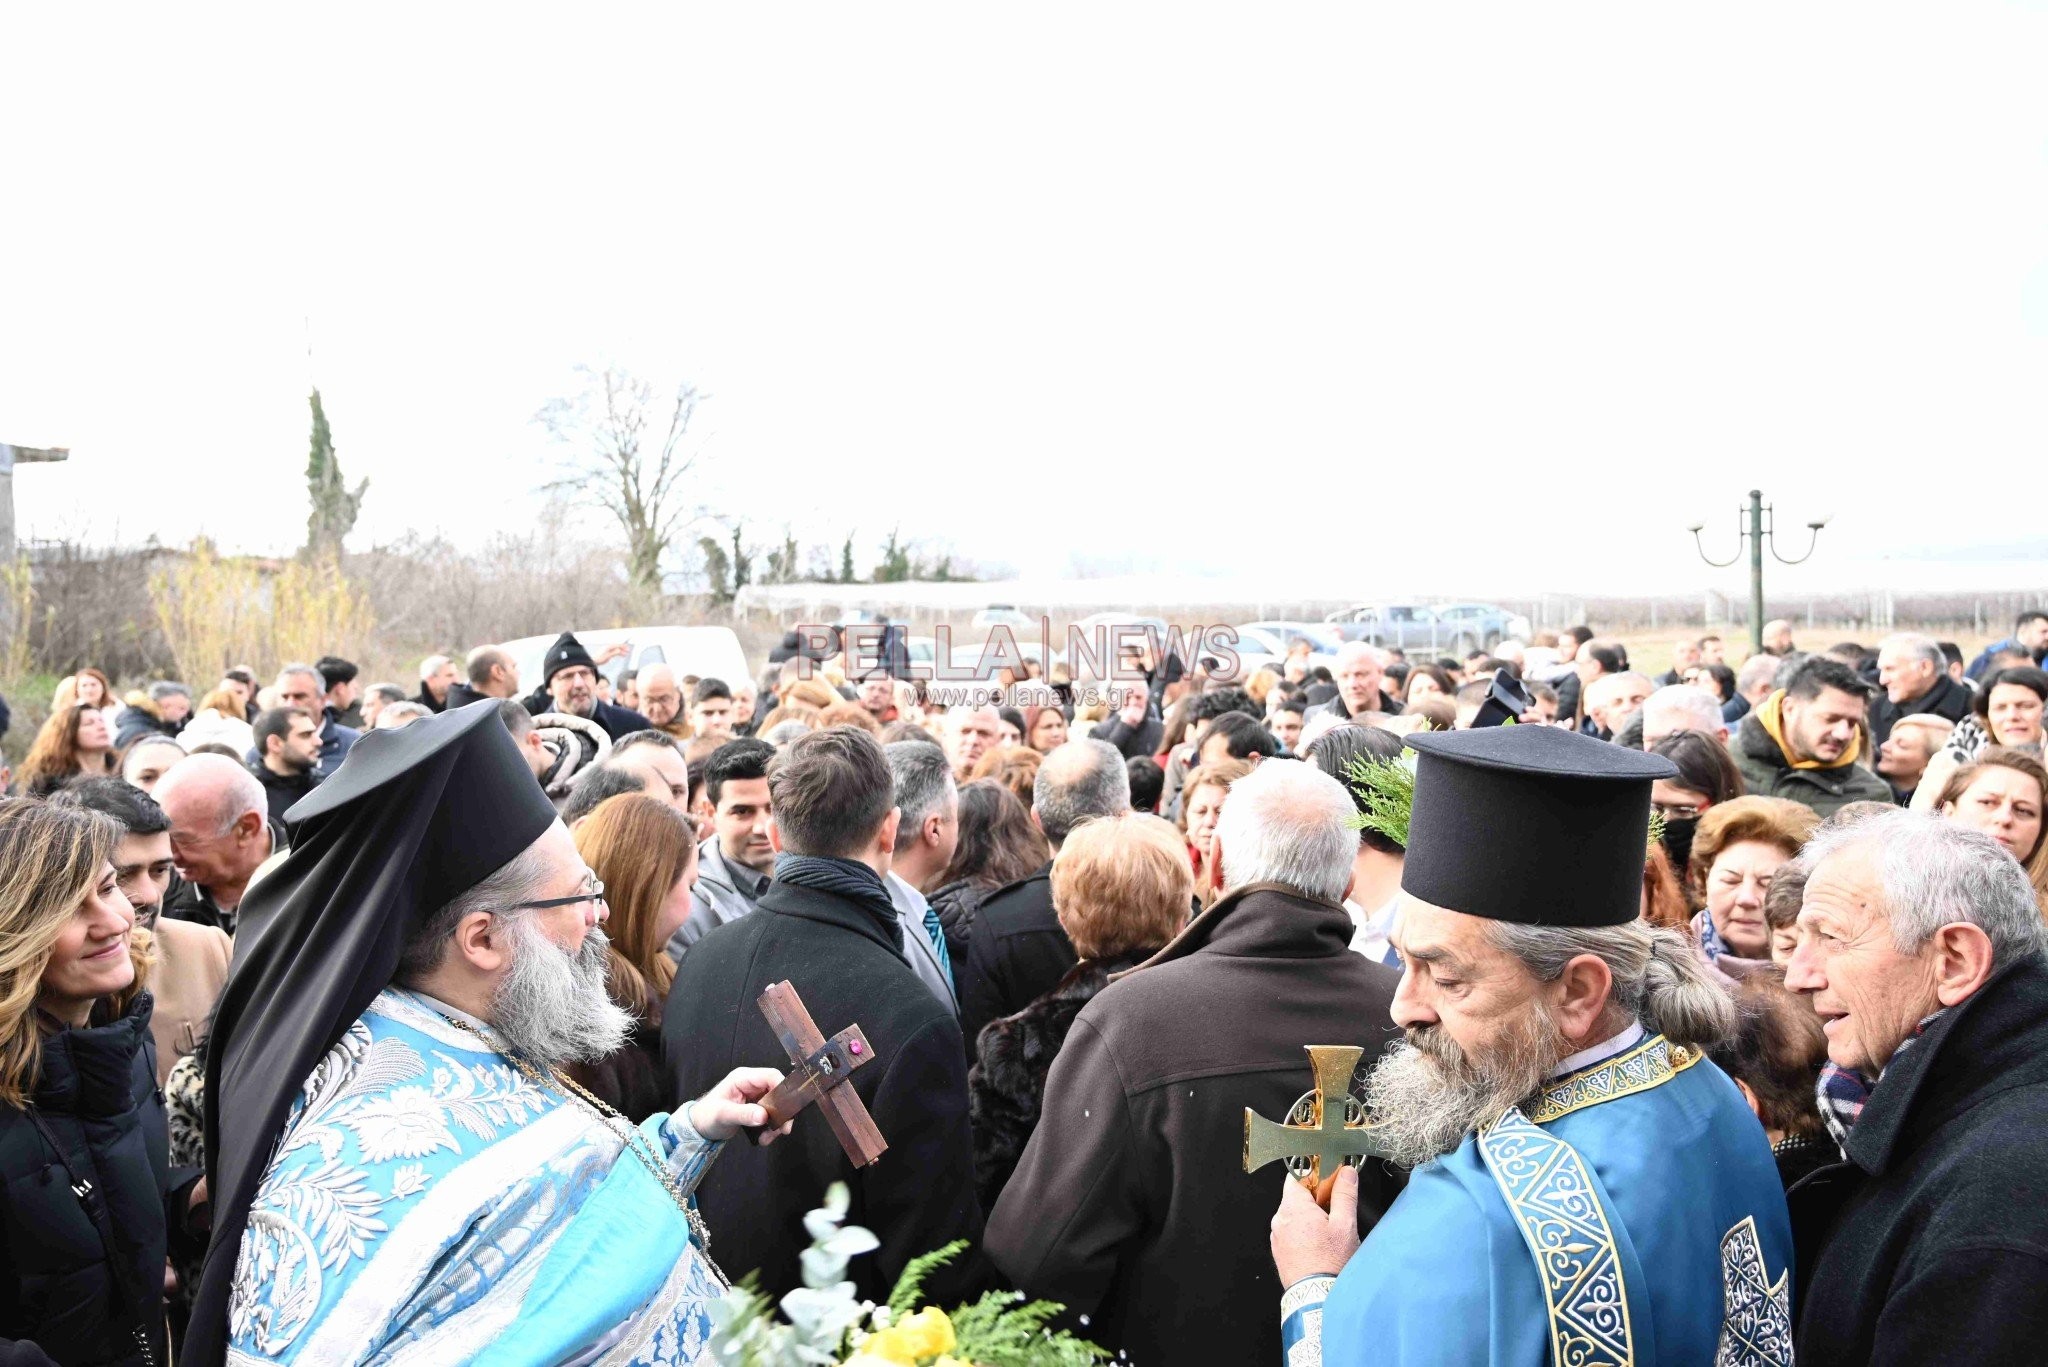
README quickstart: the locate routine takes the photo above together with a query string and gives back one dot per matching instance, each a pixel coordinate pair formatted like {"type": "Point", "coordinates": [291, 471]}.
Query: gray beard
{"type": "Point", "coordinates": [1426, 1094]}
{"type": "Point", "coordinates": [552, 1005]}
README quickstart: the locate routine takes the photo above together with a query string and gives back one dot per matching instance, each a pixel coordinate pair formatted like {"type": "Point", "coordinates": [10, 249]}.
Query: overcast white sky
{"type": "Point", "coordinates": [1426, 299]}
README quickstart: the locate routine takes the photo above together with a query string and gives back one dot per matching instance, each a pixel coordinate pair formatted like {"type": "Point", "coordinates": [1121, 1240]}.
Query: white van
{"type": "Point", "coordinates": [707, 652]}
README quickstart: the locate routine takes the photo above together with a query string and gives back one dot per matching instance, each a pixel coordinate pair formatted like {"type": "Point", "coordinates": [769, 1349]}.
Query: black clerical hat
{"type": "Point", "coordinates": [1531, 824]}
{"type": "Point", "coordinates": [413, 818]}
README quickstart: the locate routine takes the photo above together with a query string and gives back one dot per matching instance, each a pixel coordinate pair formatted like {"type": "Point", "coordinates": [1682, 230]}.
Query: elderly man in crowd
{"type": "Point", "coordinates": [220, 836]}
{"type": "Point", "coordinates": [970, 733]}
{"type": "Point", "coordinates": [1361, 673]}
{"type": "Point", "coordinates": [1682, 707]}
{"type": "Point", "coordinates": [1613, 699]}
{"type": "Point", "coordinates": [1130, 1204]}
{"type": "Point", "coordinates": [1755, 681]}
{"type": "Point", "coordinates": [1913, 672]}
{"type": "Point", "coordinates": [1920, 947]}
{"type": "Point", "coordinates": [1777, 637]}
{"type": "Point", "coordinates": [661, 700]}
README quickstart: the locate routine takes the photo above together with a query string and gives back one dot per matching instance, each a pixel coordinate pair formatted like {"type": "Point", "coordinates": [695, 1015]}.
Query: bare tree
{"type": "Point", "coordinates": [621, 460]}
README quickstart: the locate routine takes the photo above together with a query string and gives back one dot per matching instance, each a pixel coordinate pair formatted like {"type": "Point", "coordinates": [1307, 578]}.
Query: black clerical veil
{"type": "Point", "coordinates": [413, 818]}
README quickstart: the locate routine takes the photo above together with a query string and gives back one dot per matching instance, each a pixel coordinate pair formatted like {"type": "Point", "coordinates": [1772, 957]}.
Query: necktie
{"type": "Point", "coordinates": [937, 933]}
{"type": "Point", "coordinates": [1392, 958]}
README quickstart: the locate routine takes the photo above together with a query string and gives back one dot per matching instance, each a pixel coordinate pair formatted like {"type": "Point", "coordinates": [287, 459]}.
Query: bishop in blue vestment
{"type": "Point", "coordinates": [1588, 1189]}
{"type": "Point", "coordinates": [402, 1172]}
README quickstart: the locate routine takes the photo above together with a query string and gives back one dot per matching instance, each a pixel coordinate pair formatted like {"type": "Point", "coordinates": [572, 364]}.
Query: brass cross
{"type": "Point", "coordinates": [1319, 1129]}
{"type": "Point", "coordinates": [819, 1069]}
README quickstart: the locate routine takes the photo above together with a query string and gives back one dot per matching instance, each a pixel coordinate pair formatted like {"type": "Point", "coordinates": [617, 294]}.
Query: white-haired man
{"type": "Point", "coordinates": [401, 1169]}
{"type": "Point", "coordinates": [1920, 947]}
{"type": "Point", "coordinates": [220, 836]}
{"type": "Point", "coordinates": [1612, 699]}
{"type": "Point", "coordinates": [1552, 1067]}
{"type": "Point", "coordinates": [1361, 674]}
{"type": "Point", "coordinates": [437, 674]}
{"type": "Point", "coordinates": [1130, 1203]}
{"type": "Point", "coordinates": [1682, 707]}
{"type": "Point", "coordinates": [1914, 675]}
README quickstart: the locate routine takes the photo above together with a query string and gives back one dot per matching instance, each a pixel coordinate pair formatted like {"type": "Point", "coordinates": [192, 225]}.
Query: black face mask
{"type": "Point", "coordinates": [1678, 834]}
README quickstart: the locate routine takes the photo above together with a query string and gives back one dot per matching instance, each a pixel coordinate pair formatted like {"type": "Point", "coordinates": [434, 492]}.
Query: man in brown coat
{"type": "Point", "coordinates": [1131, 1204]}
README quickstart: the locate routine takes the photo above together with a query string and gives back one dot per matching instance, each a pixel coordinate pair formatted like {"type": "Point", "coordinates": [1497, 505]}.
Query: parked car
{"type": "Point", "coordinates": [1487, 624]}
{"type": "Point", "coordinates": [1273, 638]}
{"type": "Point", "coordinates": [1455, 629]}
{"type": "Point", "coordinates": [706, 652]}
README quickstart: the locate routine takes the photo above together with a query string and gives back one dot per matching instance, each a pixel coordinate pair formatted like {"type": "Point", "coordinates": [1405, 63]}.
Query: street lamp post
{"type": "Point", "coordinates": [1760, 527]}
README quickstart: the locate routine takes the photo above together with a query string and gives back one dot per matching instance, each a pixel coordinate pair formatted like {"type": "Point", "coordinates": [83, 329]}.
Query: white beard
{"type": "Point", "coordinates": [552, 1005]}
{"type": "Point", "coordinates": [1426, 1094]}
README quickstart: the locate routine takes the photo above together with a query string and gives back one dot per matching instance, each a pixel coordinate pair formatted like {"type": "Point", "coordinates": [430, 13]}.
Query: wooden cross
{"type": "Point", "coordinates": [819, 1069]}
{"type": "Point", "coordinates": [1316, 1131]}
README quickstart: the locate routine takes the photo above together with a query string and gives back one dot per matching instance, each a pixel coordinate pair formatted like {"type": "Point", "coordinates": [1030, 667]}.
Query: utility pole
{"type": "Point", "coordinates": [10, 456]}
{"type": "Point", "coordinates": [1755, 523]}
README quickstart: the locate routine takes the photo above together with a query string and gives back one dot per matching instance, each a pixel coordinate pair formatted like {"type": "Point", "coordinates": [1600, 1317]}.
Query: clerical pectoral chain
{"type": "Point", "coordinates": [627, 1132]}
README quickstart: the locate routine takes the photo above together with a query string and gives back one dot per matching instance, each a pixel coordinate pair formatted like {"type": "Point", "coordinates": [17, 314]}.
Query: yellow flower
{"type": "Point", "coordinates": [917, 1337]}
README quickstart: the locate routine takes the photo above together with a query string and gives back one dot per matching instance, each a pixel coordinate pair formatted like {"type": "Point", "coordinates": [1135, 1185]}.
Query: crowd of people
{"type": "Point", "coordinates": [330, 1012]}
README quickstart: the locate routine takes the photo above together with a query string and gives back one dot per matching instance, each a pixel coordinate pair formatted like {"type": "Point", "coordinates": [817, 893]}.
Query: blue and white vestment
{"type": "Point", "coordinates": [1633, 1215]}
{"type": "Point", "coordinates": [428, 1204]}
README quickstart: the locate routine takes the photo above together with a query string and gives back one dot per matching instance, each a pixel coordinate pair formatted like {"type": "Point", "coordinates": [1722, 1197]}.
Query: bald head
{"type": "Point", "coordinates": [661, 697]}
{"type": "Point", "coordinates": [1612, 697]}
{"type": "Point", "coordinates": [219, 831]}
{"type": "Point", "coordinates": [492, 673]}
{"type": "Point", "coordinates": [1076, 781]}
{"type": "Point", "coordinates": [208, 792]}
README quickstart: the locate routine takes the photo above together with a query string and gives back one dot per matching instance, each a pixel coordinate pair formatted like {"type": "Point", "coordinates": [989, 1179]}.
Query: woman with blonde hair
{"type": "Point", "coordinates": [219, 720]}
{"type": "Point", "coordinates": [72, 742]}
{"type": "Point", "coordinates": [84, 1147]}
{"type": "Point", "coordinates": [2004, 793]}
{"type": "Point", "coordinates": [1121, 887]}
{"type": "Point", "coordinates": [644, 854]}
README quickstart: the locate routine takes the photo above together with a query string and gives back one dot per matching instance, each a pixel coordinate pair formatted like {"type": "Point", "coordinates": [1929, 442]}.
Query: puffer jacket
{"type": "Point", "coordinates": [60, 1285]}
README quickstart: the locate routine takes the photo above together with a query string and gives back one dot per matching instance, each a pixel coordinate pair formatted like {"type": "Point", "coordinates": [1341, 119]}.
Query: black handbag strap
{"type": "Point", "coordinates": [95, 1207]}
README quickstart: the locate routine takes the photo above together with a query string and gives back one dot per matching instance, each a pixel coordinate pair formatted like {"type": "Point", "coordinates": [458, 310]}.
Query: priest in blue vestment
{"type": "Point", "coordinates": [402, 1172]}
{"type": "Point", "coordinates": [1588, 1188]}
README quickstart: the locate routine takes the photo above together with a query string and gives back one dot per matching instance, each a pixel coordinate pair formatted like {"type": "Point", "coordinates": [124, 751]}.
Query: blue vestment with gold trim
{"type": "Point", "coordinates": [1632, 1215]}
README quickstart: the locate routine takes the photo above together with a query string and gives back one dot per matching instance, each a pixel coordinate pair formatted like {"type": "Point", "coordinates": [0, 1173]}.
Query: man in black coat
{"type": "Point", "coordinates": [1017, 952]}
{"type": "Point", "coordinates": [1914, 674]}
{"type": "Point", "coordinates": [1920, 945]}
{"type": "Point", "coordinates": [1131, 1204]}
{"type": "Point", "coordinates": [569, 684]}
{"type": "Point", "coordinates": [827, 927]}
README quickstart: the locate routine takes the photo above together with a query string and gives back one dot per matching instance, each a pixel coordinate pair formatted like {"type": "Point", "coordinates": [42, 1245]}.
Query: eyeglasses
{"type": "Point", "coordinates": [1676, 811]}
{"type": "Point", "coordinates": [595, 893]}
